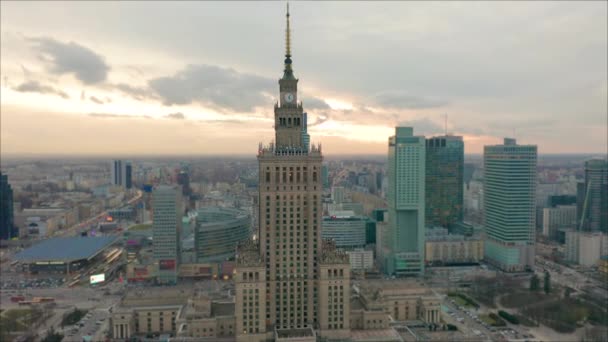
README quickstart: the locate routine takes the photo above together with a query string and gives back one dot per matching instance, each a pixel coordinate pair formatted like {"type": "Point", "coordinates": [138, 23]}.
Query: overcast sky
{"type": "Point", "coordinates": [201, 77]}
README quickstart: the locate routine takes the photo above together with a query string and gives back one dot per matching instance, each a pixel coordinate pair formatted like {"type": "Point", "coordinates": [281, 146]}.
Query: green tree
{"type": "Point", "coordinates": [547, 286]}
{"type": "Point", "coordinates": [567, 292]}
{"type": "Point", "coordinates": [534, 283]}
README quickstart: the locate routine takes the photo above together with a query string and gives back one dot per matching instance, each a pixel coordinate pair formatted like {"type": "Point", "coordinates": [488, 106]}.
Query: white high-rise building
{"type": "Point", "coordinates": [510, 204]}
{"type": "Point", "coordinates": [406, 203]}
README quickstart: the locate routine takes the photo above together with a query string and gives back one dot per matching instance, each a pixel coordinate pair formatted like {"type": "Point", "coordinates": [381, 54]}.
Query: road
{"type": "Point", "coordinates": [81, 226]}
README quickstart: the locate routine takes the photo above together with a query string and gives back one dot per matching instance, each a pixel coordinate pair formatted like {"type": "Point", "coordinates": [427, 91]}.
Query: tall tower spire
{"type": "Point", "coordinates": [288, 72]}
{"type": "Point", "coordinates": [287, 35]}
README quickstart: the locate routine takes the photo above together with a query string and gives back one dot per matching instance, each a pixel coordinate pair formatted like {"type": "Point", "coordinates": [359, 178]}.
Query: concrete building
{"type": "Point", "coordinates": [448, 249]}
{"type": "Point", "coordinates": [361, 259]}
{"type": "Point", "coordinates": [593, 197]}
{"type": "Point", "coordinates": [338, 194]}
{"type": "Point", "coordinates": [585, 248]}
{"type": "Point", "coordinates": [278, 277]}
{"type": "Point", "coordinates": [218, 231]}
{"type": "Point", "coordinates": [348, 232]}
{"type": "Point", "coordinates": [406, 203]}
{"type": "Point", "coordinates": [375, 301]}
{"type": "Point", "coordinates": [166, 228]}
{"type": "Point", "coordinates": [561, 216]}
{"type": "Point", "coordinates": [509, 202]}
{"type": "Point", "coordinates": [121, 174]}
{"type": "Point", "coordinates": [179, 313]}
{"type": "Point", "coordinates": [8, 230]}
{"type": "Point", "coordinates": [444, 181]}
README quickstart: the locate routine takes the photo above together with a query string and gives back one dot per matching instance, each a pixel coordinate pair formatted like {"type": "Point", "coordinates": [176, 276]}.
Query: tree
{"type": "Point", "coordinates": [547, 286]}
{"type": "Point", "coordinates": [567, 292]}
{"type": "Point", "coordinates": [534, 283]}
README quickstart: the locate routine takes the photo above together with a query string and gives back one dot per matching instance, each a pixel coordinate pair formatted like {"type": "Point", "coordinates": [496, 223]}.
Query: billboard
{"type": "Point", "coordinates": [167, 264]}
{"type": "Point", "coordinates": [140, 271]}
{"type": "Point", "coordinates": [98, 278]}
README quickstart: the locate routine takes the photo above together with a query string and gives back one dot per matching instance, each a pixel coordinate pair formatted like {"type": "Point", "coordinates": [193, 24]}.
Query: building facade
{"type": "Point", "coordinates": [8, 230]}
{"type": "Point", "coordinates": [278, 276]}
{"type": "Point", "coordinates": [561, 216]}
{"type": "Point", "coordinates": [347, 232]}
{"type": "Point", "coordinates": [585, 248]}
{"type": "Point", "coordinates": [444, 181]}
{"type": "Point", "coordinates": [218, 231]}
{"type": "Point", "coordinates": [406, 203]}
{"type": "Point", "coordinates": [166, 228]}
{"type": "Point", "coordinates": [361, 259]}
{"type": "Point", "coordinates": [445, 249]}
{"type": "Point", "coordinates": [122, 174]}
{"type": "Point", "coordinates": [593, 197]}
{"type": "Point", "coordinates": [509, 202]}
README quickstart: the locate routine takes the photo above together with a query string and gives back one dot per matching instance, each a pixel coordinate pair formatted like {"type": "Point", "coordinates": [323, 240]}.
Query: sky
{"type": "Point", "coordinates": [201, 78]}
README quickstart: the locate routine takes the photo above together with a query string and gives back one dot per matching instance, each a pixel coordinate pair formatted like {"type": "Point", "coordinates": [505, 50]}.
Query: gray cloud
{"type": "Point", "coordinates": [177, 116]}
{"type": "Point", "coordinates": [36, 87]}
{"type": "Point", "coordinates": [321, 118]}
{"type": "Point", "coordinates": [214, 86]}
{"type": "Point", "coordinates": [402, 99]}
{"type": "Point", "coordinates": [314, 103]}
{"type": "Point", "coordinates": [118, 116]}
{"type": "Point", "coordinates": [137, 93]}
{"type": "Point", "coordinates": [96, 100]}
{"type": "Point", "coordinates": [72, 58]}
{"type": "Point", "coordinates": [423, 126]}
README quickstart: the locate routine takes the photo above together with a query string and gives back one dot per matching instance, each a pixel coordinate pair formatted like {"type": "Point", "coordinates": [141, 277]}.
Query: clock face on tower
{"type": "Point", "coordinates": [288, 97]}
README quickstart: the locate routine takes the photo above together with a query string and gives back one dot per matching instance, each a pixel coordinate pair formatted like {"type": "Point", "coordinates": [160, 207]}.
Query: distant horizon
{"type": "Point", "coordinates": [8, 156]}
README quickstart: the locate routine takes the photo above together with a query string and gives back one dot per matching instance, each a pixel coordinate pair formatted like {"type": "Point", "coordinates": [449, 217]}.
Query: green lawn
{"type": "Point", "coordinates": [489, 320]}
{"type": "Point", "coordinates": [140, 227]}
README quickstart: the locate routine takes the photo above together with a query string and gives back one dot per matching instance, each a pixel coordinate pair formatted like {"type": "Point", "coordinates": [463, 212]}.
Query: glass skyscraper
{"type": "Point", "coordinates": [444, 180]}
{"type": "Point", "coordinates": [406, 173]}
{"type": "Point", "coordinates": [509, 202]}
{"type": "Point", "coordinates": [7, 224]}
{"type": "Point", "coordinates": [593, 197]}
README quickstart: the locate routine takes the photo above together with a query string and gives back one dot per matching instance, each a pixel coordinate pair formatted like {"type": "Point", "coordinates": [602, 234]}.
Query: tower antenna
{"type": "Point", "coordinates": [287, 35]}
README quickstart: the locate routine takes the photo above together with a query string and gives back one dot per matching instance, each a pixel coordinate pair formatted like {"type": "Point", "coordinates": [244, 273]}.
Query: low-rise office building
{"type": "Point", "coordinates": [444, 248]}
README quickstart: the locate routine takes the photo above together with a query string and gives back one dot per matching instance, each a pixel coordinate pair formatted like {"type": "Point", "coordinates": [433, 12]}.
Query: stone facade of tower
{"type": "Point", "coordinates": [284, 290]}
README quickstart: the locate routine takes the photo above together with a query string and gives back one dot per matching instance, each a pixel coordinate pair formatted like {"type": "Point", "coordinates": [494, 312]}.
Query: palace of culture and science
{"type": "Point", "coordinates": [290, 281]}
{"type": "Point", "coordinates": [290, 284]}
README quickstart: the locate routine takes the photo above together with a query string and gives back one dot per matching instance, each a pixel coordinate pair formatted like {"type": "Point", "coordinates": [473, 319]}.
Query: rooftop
{"type": "Point", "coordinates": [222, 309]}
{"type": "Point", "coordinates": [65, 249]}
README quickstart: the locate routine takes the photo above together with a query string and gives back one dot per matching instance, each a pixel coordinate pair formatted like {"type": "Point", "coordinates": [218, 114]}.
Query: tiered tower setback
{"type": "Point", "coordinates": [279, 292]}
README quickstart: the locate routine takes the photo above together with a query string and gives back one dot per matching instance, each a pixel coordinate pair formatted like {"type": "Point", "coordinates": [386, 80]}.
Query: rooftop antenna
{"type": "Point", "coordinates": [446, 123]}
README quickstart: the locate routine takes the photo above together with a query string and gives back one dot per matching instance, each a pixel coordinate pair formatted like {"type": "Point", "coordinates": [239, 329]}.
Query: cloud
{"type": "Point", "coordinates": [72, 58]}
{"type": "Point", "coordinates": [118, 116]}
{"type": "Point", "coordinates": [321, 118]}
{"type": "Point", "coordinates": [214, 86]}
{"type": "Point", "coordinates": [137, 93]}
{"type": "Point", "coordinates": [96, 100]}
{"type": "Point", "coordinates": [314, 103]}
{"type": "Point", "coordinates": [177, 116]}
{"type": "Point", "coordinates": [401, 99]}
{"type": "Point", "coordinates": [36, 87]}
{"type": "Point", "coordinates": [423, 126]}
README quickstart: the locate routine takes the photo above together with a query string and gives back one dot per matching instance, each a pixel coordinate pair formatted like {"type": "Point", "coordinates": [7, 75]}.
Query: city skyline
{"type": "Point", "coordinates": [193, 86]}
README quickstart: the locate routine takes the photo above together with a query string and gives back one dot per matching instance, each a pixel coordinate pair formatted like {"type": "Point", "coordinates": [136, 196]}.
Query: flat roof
{"type": "Point", "coordinates": [65, 249]}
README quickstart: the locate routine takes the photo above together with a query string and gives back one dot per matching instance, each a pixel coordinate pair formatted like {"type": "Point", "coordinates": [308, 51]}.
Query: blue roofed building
{"type": "Point", "coordinates": [64, 254]}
